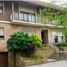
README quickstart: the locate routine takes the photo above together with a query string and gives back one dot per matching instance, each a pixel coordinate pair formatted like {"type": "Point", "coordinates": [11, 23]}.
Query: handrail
{"type": "Point", "coordinates": [61, 50]}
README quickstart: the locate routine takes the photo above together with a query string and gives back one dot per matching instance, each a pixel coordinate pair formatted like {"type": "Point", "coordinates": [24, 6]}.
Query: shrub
{"type": "Point", "coordinates": [61, 44]}
{"type": "Point", "coordinates": [36, 40]}
{"type": "Point", "coordinates": [21, 41]}
{"type": "Point", "coordinates": [32, 58]}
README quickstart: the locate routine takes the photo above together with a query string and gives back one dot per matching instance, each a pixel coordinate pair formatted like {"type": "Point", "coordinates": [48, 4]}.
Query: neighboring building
{"type": "Point", "coordinates": [22, 16]}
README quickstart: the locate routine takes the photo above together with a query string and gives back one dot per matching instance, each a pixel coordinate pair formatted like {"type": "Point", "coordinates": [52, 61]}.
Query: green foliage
{"type": "Point", "coordinates": [17, 41]}
{"type": "Point", "coordinates": [32, 58]}
{"type": "Point", "coordinates": [36, 40]}
{"type": "Point", "coordinates": [48, 12]}
{"type": "Point", "coordinates": [23, 42]}
{"type": "Point", "coordinates": [55, 14]}
{"type": "Point", "coordinates": [62, 45]}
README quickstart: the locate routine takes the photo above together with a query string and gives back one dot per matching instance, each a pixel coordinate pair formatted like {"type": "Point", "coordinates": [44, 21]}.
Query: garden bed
{"type": "Point", "coordinates": [41, 57]}
{"type": "Point", "coordinates": [29, 61]}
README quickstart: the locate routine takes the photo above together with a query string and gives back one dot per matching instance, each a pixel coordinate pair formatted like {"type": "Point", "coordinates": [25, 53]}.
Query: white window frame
{"type": "Point", "coordinates": [59, 34]}
{"type": "Point", "coordinates": [2, 4]}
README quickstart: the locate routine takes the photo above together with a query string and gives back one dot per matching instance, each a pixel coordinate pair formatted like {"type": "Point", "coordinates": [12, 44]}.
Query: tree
{"type": "Point", "coordinates": [55, 14]}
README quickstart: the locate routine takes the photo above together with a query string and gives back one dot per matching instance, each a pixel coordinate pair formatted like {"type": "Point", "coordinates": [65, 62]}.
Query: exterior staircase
{"type": "Point", "coordinates": [58, 54]}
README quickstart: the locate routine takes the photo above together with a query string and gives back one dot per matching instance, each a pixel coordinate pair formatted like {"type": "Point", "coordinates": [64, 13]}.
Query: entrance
{"type": "Point", "coordinates": [44, 35]}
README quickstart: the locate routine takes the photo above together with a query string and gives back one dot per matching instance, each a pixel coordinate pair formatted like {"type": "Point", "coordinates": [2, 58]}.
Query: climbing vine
{"type": "Point", "coordinates": [55, 14]}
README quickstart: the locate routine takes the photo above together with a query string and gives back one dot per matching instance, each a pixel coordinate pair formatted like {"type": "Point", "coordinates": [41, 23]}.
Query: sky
{"type": "Point", "coordinates": [57, 2]}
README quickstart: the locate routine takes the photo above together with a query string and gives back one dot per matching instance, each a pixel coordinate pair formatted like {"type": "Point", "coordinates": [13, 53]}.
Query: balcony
{"type": "Point", "coordinates": [19, 18]}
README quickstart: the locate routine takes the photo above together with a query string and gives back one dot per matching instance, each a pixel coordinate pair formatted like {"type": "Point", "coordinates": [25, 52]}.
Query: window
{"type": "Point", "coordinates": [21, 16]}
{"type": "Point", "coordinates": [60, 39]}
{"type": "Point", "coordinates": [1, 7]}
{"type": "Point", "coordinates": [29, 17]}
{"type": "Point", "coordinates": [1, 32]}
{"type": "Point", "coordinates": [25, 17]}
{"type": "Point", "coordinates": [33, 18]}
{"type": "Point", "coordinates": [30, 32]}
{"type": "Point", "coordinates": [57, 37]}
{"type": "Point", "coordinates": [55, 22]}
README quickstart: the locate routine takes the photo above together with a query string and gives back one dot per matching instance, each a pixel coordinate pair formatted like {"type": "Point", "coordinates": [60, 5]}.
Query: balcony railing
{"type": "Point", "coordinates": [35, 19]}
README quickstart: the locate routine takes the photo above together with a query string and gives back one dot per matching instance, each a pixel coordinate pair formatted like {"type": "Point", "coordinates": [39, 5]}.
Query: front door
{"type": "Point", "coordinates": [44, 35]}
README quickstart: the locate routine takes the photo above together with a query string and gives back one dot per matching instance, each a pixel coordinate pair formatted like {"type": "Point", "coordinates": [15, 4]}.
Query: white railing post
{"type": "Point", "coordinates": [40, 15]}
{"type": "Point", "coordinates": [35, 15]}
{"type": "Point", "coordinates": [12, 10]}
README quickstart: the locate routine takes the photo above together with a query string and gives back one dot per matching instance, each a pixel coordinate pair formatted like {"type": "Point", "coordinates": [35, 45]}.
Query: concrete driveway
{"type": "Point", "coordinates": [62, 63]}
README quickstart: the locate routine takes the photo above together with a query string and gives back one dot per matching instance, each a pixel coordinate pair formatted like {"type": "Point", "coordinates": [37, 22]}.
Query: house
{"type": "Point", "coordinates": [22, 16]}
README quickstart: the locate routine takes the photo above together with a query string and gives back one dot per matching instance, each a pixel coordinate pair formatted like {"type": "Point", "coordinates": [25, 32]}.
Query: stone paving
{"type": "Point", "coordinates": [62, 63]}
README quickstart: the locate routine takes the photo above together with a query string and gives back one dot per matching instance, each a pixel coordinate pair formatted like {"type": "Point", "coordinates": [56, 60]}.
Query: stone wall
{"type": "Point", "coordinates": [18, 60]}
{"type": "Point", "coordinates": [46, 51]}
{"type": "Point", "coordinates": [11, 59]}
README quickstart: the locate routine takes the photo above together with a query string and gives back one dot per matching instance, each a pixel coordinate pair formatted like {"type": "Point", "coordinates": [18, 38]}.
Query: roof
{"type": "Point", "coordinates": [44, 4]}
{"type": "Point", "coordinates": [40, 3]}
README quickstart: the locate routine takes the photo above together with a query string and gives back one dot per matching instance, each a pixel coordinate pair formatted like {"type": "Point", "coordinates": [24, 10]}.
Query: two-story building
{"type": "Point", "coordinates": [22, 16]}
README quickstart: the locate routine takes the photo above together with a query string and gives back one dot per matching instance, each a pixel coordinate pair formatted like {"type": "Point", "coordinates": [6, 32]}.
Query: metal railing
{"type": "Point", "coordinates": [17, 16]}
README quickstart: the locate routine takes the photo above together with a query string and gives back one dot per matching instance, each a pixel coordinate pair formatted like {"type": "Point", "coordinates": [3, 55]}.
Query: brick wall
{"type": "Point", "coordinates": [10, 29]}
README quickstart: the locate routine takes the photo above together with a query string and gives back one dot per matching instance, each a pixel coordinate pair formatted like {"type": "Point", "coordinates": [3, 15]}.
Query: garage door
{"type": "Point", "coordinates": [3, 59]}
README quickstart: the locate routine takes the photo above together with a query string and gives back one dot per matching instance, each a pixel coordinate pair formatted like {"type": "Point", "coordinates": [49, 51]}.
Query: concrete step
{"type": "Point", "coordinates": [57, 56]}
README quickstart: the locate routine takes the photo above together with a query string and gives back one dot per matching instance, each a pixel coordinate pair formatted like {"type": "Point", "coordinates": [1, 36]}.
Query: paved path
{"type": "Point", "coordinates": [62, 63]}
